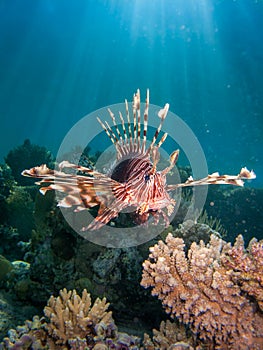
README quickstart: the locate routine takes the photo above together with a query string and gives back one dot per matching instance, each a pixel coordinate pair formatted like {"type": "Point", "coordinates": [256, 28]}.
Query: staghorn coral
{"type": "Point", "coordinates": [247, 266]}
{"type": "Point", "coordinates": [73, 316]}
{"type": "Point", "coordinates": [199, 291]}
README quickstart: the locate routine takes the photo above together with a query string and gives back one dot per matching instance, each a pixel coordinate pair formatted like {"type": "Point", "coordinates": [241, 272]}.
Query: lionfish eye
{"type": "Point", "coordinates": [147, 177]}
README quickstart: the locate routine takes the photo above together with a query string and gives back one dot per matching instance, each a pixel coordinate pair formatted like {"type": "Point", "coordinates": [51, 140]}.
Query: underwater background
{"type": "Point", "coordinates": [62, 60]}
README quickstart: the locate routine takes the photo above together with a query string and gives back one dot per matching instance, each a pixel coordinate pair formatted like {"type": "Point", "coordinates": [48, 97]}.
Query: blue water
{"type": "Point", "coordinates": [60, 60]}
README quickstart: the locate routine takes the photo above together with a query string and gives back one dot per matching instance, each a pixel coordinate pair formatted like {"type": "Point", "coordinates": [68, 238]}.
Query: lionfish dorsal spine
{"type": "Point", "coordinates": [129, 122]}
{"type": "Point", "coordinates": [173, 159]}
{"type": "Point", "coordinates": [162, 114]}
{"type": "Point", "coordinates": [145, 121]}
{"type": "Point", "coordinates": [111, 136]}
{"type": "Point", "coordinates": [159, 144]}
{"type": "Point", "coordinates": [119, 138]}
{"type": "Point", "coordinates": [130, 139]}
{"type": "Point", "coordinates": [123, 128]}
{"type": "Point", "coordinates": [139, 125]}
{"type": "Point", "coordinates": [135, 105]}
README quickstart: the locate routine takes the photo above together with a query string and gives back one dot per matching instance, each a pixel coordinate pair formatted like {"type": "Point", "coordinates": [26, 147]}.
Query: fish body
{"type": "Point", "coordinates": [134, 183]}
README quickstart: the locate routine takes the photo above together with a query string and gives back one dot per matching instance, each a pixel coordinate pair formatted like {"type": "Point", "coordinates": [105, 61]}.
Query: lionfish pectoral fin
{"type": "Point", "coordinates": [81, 191]}
{"type": "Point", "coordinates": [216, 179]}
{"type": "Point", "coordinates": [110, 208]}
{"type": "Point", "coordinates": [38, 171]}
{"type": "Point", "coordinates": [101, 220]}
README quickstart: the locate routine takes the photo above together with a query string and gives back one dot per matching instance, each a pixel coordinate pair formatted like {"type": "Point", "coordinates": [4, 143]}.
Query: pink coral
{"type": "Point", "coordinates": [247, 266]}
{"type": "Point", "coordinates": [199, 291]}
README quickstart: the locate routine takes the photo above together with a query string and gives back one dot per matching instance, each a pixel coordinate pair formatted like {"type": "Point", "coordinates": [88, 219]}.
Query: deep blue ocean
{"type": "Point", "coordinates": [60, 60]}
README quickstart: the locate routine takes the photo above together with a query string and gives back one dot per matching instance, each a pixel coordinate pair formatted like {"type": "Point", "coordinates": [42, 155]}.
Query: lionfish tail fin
{"type": "Point", "coordinates": [216, 179]}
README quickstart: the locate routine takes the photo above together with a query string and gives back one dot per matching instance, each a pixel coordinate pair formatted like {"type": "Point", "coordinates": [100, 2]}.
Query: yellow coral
{"type": "Point", "coordinates": [73, 316]}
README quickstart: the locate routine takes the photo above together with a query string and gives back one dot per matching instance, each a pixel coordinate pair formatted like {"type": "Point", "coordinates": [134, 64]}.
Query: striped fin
{"type": "Point", "coordinates": [216, 179]}
{"type": "Point", "coordinates": [136, 101]}
{"type": "Point", "coordinates": [162, 114]}
{"type": "Point", "coordinates": [173, 159]}
{"type": "Point", "coordinates": [155, 158]}
{"type": "Point", "coordinates": [129, 121]}
{"type": "Point", "coordinates": [112, 137]}
{"type": "Point", "coordinates": [145, 121]}
{"type": "Point", "coordinates": [131, 139]}
{"type": "Point", "coordinates": [83, 191]}
{"type": "Point", "coordinates": [123, 128]}
{"type": "Point", "coordinates": [107, 212]}
{"type": "Point", "coordinates": [116, 126]}
{"type": "Point", "coordinates": [138, 109]}
{"type": "Point", "coordinates": [101, 220]}
{"type": "Point", "coordinates": [162, 140]}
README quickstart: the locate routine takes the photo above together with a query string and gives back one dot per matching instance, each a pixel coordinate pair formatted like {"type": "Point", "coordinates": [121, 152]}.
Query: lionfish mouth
{"type": "Point", "coordinates": [135, 182]}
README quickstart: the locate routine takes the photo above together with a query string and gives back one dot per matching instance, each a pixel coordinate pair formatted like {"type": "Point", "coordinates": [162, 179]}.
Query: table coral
{"type": "Point", "coordinates": [199, 291]}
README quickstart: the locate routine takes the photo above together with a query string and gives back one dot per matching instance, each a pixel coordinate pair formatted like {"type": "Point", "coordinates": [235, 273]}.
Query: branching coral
{"type": "Point", "coordinates": [29, 336]}
{"type": "Point", "coordinates": [199, 291]}
{"type": "Point", "coordinates": [73, 316]}
{"type": "Point", "coordinates": [247, 267]}
{"type": "Point", "coordinates": [73, 323]}
{"type": "Point", "coordinates": [170, 336]}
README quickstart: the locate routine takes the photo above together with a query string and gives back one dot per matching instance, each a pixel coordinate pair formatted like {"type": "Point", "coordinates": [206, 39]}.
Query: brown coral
{"type": "Point", "coordinates": [199, 291]}
{"type": "Point", "coordinates": [170, 336]}
{"type": "Point", "coordinates": [247, 265]}
{"type": "Point", "coordinates": [72, 316]}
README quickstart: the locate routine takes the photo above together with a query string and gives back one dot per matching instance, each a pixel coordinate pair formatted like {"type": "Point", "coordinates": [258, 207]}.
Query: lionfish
{"type": "Point", "coordinates": [135, 182]}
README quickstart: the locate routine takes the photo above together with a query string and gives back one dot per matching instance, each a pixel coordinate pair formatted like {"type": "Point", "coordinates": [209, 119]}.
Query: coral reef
{"type": "Point", "coordinates": [247, 266]}
{"type": "Point", "coordinates": [170, 336]}
{"type": "Point", "coordinates": [20, 207]}
{"type": "Point", "coordinates": [212, 222]}
{"type": "Point", "coordinates": [7, 181]}
{"type": "Point", "coordinates": [24, 156]}
{"type": "Point", "coordinates": [5, 267]}
{"type": "Point", "coordinates": [13, 312]}
{"type": "Point", "coordinates": [29, 336]}
{"type": "Point", "coordinates": [74, 316]}
{"type": "Point", "coordinates": [73, 323]}
{"type": "Point", "coordinates": [47, 255]}
{"type": "Point", "coordinates": [191, 232]}
{"type": "Point", "coordinates": [201, 292]}
{"type": "Point", "coordinates": [10, 239]}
